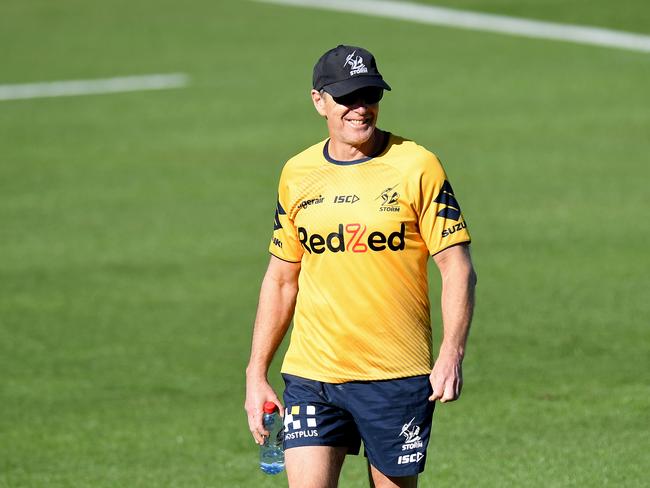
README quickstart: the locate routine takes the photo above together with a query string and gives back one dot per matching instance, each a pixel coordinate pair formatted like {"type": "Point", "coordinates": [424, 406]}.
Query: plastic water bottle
{"type": "Point", "coordinates": [271, 452]}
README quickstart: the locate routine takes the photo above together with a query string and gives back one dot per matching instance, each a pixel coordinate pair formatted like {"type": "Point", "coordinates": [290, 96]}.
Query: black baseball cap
{"type": "Point", "coordinates": [345, 69]}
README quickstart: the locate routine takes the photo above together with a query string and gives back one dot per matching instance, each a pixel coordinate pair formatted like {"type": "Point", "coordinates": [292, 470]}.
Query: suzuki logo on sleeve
{"type": "Point", "coordinates": [447, 200]}
{"type": "Point", "coordinates": [278, 211]}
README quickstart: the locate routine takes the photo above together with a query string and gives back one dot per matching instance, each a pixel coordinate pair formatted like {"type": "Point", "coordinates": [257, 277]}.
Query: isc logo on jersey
{"type": "Point", "coordinates": [352, 238]}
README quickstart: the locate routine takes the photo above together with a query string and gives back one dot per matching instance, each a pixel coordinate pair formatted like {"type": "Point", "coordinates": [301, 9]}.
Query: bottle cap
{"type": "Point", "coordinates": [269, 407]}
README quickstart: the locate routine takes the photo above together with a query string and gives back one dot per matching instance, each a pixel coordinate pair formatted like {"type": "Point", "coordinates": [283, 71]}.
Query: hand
{"type": "Point", "coordinates": [446, 378]}
{"type": "Point", "coordinates": [259, 391]}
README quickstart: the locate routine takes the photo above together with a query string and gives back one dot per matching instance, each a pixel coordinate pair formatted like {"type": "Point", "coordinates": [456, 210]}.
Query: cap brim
{"type": "Point", "coordinates": [344, 87]}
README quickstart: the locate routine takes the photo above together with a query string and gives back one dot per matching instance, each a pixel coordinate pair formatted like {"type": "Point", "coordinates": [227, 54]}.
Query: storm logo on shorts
{"type": "Point", "coordinates": [299, 422]}
{"type": "Point", "coordinates": [352, 238]}
{"type": "Point", "coordinates": [412, 437]}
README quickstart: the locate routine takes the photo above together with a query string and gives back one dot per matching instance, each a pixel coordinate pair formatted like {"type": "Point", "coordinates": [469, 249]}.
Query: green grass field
{"type": "Point", "coordinates": [134, 231]}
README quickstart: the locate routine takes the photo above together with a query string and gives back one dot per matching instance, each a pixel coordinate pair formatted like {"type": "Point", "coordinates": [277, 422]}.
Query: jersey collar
{"type": "Point", "coordinates": [383, 147]}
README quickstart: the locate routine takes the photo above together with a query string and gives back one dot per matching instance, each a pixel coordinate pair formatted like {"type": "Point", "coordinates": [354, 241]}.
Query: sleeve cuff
{"type": "Point", "coordinates": [282, 259]}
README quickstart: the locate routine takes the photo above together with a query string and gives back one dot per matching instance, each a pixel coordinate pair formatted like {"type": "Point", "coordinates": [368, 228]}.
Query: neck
{"type": "Point", "coordinates": [342, 151]}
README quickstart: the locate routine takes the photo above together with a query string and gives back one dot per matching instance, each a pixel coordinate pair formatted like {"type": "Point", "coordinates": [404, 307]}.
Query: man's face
{"type": "Point", "coordinates": [350, 119]}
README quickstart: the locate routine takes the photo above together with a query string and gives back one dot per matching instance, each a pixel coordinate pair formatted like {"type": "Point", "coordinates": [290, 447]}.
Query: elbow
{"type": "Point", "coordinates": [284, 286]}
{"type": "Point", "coordinates": [287, 285]}
{"type": "Point", "coordinates": [467, 275]}
{"type": "Point", "coordinates": [290, 287]}
{"type": "Point", "coordinates": [473, 277]}
{"type": "Point", "coordinates": [461, 273]}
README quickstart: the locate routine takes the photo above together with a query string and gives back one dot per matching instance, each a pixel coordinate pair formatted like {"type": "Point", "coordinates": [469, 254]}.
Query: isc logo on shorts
{"type": "Point", "coordinates": [410, 458]}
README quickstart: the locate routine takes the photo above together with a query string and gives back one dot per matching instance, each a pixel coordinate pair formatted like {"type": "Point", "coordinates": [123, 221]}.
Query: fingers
{"type": "Point", "coordinates": [255, 426]}
{"type": "Point", "coordinates": [437, 391]}
{"type": "Point", "coordinates": [254, 407]}
{"type": "Point", "coordinates": [449, 394]}
{"type": "Point", "coordinates": [445, 392]}
{"type": "Point", "coordinates": [278, 404]}
{"type": "Point", "coordinates": [445, 388]}
{"type": "Point", "coordinates": [254, 411]}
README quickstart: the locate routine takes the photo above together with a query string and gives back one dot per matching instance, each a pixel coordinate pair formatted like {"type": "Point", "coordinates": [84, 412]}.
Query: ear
{"type": "Point", "coordinates": [319, 102]}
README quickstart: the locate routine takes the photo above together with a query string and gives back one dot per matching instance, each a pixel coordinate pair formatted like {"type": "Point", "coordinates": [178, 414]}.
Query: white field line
{"type": "Point", "coordinates": [427, 14]}
{"type": "Point", "coordinates": [92, 87]}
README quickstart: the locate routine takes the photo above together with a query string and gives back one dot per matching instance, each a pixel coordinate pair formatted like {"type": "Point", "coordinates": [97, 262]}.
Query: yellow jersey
{"type": "Point", "coordinates": [363, 231]}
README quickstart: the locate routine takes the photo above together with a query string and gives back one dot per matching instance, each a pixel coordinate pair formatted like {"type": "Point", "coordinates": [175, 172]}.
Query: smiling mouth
{"type": "Point", "coordinates": [358, 122]}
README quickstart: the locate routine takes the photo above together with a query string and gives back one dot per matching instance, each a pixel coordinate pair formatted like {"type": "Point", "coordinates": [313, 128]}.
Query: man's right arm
{"type": "Point", "coordinates": [274, 312]}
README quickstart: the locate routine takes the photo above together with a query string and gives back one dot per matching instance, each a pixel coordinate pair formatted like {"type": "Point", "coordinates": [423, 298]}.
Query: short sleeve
{"type": "Point", "coordinates": [440, 219]}
{"type": "Point", "coordinates": [284, 243]}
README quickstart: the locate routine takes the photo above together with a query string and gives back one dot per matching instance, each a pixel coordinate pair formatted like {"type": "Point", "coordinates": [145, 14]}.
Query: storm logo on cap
{"type": "Point", "coordinates": [356, 64]}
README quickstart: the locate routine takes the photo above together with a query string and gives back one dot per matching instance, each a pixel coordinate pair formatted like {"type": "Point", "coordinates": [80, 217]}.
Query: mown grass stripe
{"type": "Point", "coordinates": [463, 19]}
{"type": "Point", "coordinates": [71, 88]}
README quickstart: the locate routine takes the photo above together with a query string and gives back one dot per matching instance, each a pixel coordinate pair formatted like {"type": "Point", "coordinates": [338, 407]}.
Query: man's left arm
{"type": "Point", "coordinates": [457, 303]}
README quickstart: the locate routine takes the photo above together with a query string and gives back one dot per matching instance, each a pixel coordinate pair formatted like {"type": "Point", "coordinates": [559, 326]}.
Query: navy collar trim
{"type": "Point", "coordinates": [383, 147]}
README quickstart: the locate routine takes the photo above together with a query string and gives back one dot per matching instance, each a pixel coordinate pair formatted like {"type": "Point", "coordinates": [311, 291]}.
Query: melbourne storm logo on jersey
{"type": "Point", "coordinates": [356, 64]}
{"type": "Point", "coordinates": [389, 200]}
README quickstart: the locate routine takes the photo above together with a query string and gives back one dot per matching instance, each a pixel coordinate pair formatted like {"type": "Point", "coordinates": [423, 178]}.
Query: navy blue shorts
{"type": "Point", "coordinates": [392, 417]}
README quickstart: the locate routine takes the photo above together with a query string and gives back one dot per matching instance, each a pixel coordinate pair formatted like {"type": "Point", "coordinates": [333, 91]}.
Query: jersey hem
{"type": "Point", "coordinates": [344, 379]}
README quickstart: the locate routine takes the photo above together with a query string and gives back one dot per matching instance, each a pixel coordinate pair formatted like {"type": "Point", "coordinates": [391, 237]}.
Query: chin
{"type": "Point", "coordinates": [359, 137]}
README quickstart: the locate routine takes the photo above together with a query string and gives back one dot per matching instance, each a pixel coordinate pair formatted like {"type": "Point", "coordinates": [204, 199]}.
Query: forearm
{"type": "Point", "coordinates": [457, 305]}
{"type": "Point", "coordinates": [458, 282]}
{"type": "Point", "coordinates": [274, 312]}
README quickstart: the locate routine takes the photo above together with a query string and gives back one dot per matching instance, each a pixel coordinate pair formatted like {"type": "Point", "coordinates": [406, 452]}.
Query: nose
{"type": "Point", "coordinates": [359, 103]}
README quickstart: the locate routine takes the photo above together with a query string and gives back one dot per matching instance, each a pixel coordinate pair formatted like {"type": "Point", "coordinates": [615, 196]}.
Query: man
{"type": "Point", "coordinates": [357, 217]}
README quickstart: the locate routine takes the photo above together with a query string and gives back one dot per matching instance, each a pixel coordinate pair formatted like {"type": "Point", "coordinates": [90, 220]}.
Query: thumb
{"type": "Point", "coordinates": [274, 399]}
{"type": "Point", "coordinates": [278, 404]}
{"type": "Point", "coordinates": [437, 389]}
{"type": "Point", "coordinates": [434, 396]}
